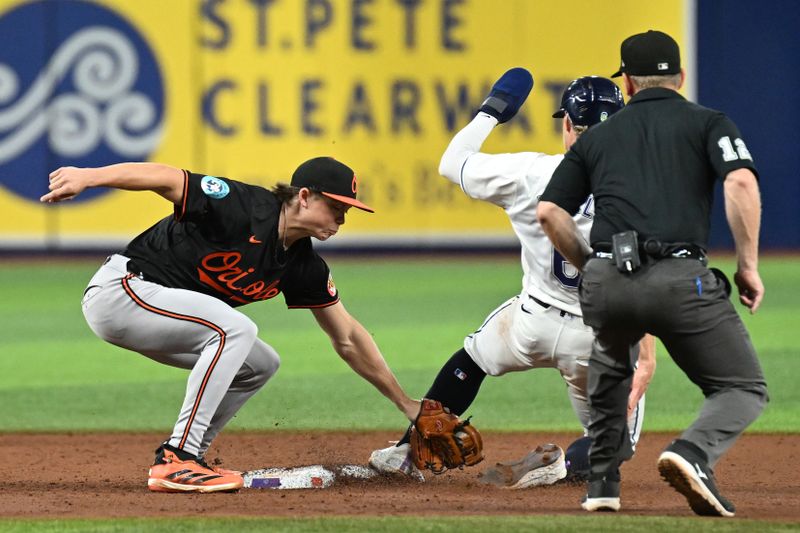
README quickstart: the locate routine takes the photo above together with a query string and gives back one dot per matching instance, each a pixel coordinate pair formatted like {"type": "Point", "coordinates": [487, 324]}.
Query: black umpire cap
{"type": "Point", "coordinates": [649, 54]}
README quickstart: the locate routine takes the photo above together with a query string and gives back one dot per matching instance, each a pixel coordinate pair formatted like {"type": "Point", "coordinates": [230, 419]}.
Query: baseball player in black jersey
{"type": "Point", "coordinates": [171, 294]}
{"type": "Point", "coordinates": [652, 168]}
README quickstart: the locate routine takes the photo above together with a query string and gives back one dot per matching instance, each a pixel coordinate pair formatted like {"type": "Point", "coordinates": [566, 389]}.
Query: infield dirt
{"type": "Point", "coordinates": [105, 475]}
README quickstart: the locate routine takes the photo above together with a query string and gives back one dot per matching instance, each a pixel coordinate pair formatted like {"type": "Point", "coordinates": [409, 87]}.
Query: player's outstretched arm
{"type": "Point", "coordinates": [485, 171]}
{"type": "Point", "coordinates": [743, 210]}
{"type": "Point", "coordinates": [358, 349]}
{"type": "Point", "coordinates": [68, 182]}
{"type": "Point", "coordinates": [504, 100]}
{"type": "Point", "coordinates": [464, 144]}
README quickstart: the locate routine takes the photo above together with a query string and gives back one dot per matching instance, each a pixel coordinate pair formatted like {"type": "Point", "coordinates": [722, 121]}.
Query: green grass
{"type": "Point", "coordinates": [56, 376]}
{"type": "Point", "coordinates": [599, 524]}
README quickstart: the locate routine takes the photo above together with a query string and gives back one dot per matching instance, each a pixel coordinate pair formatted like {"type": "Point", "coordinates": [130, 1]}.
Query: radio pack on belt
{"type": "Point", "coordinates": [625, 247]}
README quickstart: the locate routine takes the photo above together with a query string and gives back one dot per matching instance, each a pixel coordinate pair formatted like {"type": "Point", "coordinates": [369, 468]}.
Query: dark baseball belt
{"type": "Point", "coordinates": [656, 250]}
{"type": "Point", "coordinates": [548, 306]}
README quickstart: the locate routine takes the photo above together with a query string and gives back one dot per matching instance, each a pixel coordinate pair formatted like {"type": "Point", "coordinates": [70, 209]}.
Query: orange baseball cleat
{"type": "Point", "coordinates": [173, 474]}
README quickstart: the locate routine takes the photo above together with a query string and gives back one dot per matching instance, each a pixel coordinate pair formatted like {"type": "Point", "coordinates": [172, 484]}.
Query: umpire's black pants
{"type": "Point", "coordinates": [681, 302]}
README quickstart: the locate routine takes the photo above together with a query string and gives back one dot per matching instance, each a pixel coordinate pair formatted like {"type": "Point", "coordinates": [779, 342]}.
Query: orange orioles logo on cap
{"type": "Point", "coordinates": [355, 185]}
{"type": "Point", "coordinates": [331, 286]}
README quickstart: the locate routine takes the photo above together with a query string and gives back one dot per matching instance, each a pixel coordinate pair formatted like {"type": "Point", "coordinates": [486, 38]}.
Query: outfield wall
{"type": "Point", "coordinates": [249, 89]}
{"type": "Point", "coordinates": [748, 54]}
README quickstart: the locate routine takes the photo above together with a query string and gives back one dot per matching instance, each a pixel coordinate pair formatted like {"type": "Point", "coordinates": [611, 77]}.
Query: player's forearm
{"type": "Point", "coordinates": [743, 211]}
{"type": "Point", "coordinates": [647, 360]}
{"type": "Point", "coordinates": [465, 143]}
{"type": "Point", "coordinates": [364, 357]}
{"type": "Point", "coordinates": [161, 179]}
{"type": "Point", "coordinates": [563, 233]}
{"type": "Point", "coordinates": [647, 350]}
{"type": "Point", "coordinates": [646, 367]}
{"type": "Point", "coordinates": [68, 182]}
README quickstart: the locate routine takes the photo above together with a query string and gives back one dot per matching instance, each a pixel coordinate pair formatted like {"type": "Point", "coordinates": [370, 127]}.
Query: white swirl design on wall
{"type": "Point", "coordinates": [104, 67]}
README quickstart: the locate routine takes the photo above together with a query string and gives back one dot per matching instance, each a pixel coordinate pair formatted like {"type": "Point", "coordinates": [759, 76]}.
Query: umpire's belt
{"type": "Point", "coordinates": [656, 250]}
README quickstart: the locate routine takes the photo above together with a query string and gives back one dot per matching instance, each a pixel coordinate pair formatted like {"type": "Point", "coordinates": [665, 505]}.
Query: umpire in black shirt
{"type": "Point", "coordinates": [651, 168]}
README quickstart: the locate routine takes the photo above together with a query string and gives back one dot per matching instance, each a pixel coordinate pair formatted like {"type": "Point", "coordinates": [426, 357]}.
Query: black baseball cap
{"type": "Point", "coordinates": [330, 177]}
{"type": "Point", "coordinates": [649, 54]}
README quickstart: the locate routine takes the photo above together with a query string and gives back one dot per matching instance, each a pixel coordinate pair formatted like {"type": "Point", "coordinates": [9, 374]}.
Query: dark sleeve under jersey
{"type": "Point", "coordinates": [219, 204]}
{"type": "Point", "coordinates": [726, 149]}
{"type": "Point", "coordinates": [309, 283]}
{"type": "Point", "coordinates": [569, 186]}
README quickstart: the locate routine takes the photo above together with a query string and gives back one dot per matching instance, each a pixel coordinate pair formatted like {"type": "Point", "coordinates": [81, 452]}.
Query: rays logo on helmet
{"type": "Point", "coordinates": [89, 94]}
{"type": "Point", "coordinates": [603, 116]}
{"type": "Point", "coordinates": [214, 187]}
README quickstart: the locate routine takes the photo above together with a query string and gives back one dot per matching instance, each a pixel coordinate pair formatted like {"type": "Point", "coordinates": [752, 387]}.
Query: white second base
{"type": "Point", "coordinates": [304, 477]}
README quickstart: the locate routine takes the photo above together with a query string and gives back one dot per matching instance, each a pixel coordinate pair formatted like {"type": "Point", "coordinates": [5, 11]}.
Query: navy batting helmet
{"type": "Point", "coordinates": [590, 100]}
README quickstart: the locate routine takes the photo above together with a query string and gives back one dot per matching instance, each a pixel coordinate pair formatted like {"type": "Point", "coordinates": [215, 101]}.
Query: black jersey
{"type": "Point", "coordinates": [223, 241]}
{"type": "Point", "coordinates": [651, 167]}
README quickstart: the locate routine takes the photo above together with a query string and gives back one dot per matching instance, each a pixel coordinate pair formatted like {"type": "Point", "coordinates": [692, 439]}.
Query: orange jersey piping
{"type": "Point", "coordinates": [141, 303]}
{"type": "Point", "coordinates": [313, 306]}
{"type": "Point", "coordinates": [179, 216]}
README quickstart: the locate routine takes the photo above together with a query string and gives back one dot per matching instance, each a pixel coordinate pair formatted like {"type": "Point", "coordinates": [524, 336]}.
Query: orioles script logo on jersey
{"type": "Point", "coordinates": [220, 271]}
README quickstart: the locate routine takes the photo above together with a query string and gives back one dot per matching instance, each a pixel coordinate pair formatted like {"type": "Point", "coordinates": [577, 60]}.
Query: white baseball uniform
{"type": "Point", "coordinates": [541, 327]}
